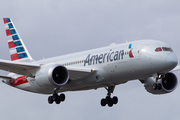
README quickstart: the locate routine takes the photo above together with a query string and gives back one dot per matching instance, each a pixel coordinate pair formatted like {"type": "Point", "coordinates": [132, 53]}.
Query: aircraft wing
{"type": "Point", "coordinates": [176, 69]}
{"type": "Point", "coordinates": [29, 69]}
{"type": "Point", "coordinates": [79, 72]}
{"type": "Point", "coordinates": [21, 68]}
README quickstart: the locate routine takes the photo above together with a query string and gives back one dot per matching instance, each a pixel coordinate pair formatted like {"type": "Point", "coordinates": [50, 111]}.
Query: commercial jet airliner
{"type": "Point", "coordinates": [149, 61]}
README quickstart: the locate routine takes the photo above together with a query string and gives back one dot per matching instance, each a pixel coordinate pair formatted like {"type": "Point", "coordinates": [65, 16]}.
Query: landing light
{"type": "Point", "coordinates": [92, 69]}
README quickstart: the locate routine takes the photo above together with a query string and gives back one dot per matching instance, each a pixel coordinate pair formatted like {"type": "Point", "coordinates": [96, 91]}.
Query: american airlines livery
{"type": "Point", "coordinates": [151, 62]}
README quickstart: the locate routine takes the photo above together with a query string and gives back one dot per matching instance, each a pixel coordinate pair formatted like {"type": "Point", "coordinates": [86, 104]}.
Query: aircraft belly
{"type": "Point", "coordinates": [96, 80]}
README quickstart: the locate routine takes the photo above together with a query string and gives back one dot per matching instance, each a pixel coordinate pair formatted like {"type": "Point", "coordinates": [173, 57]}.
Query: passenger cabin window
{"type": "Point", "coordinates": [158, 49]}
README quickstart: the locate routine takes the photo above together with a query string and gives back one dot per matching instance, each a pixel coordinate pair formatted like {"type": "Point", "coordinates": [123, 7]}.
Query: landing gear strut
{"type": "Point", "coordinates": [158, 86]}
{"type": "Point", "coordinates": [55, 97]}
{"type": "Point", "coordinates": [108, 100]}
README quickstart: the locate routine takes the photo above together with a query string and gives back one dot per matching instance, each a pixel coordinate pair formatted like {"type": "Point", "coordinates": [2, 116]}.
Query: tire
{"type": "Point", "coordinates": [108, 98]}
{"type": "Point", "coordinates": [58, 100]}
{"type": "Point", "coordinates": [50, 100]}
{"type": "Point", "coordinates": [110, 103]}
{"type": "Point", "coordinates": [54, 97]}
{"type": "Point", "coordinates": [154, 86]}
{"type": "Point", "coordinates": [62, 97]}
{"type": "Point", "coordinates": [115, 100]}
{"type": "Point", "coordinates": [103, 102]}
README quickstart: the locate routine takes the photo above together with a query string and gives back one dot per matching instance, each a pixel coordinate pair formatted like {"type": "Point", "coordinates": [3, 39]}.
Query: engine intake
{"type": "Point", "coordinates": [52, 75]}
{"type": "Point", "coordinates": [168, 84]}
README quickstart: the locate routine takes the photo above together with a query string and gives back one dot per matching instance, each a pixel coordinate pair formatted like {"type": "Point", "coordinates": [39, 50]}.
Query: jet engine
{"type": "Point", "coordinates": [52, 76]}
{"type": "Point", "coordinates": [163, 85]}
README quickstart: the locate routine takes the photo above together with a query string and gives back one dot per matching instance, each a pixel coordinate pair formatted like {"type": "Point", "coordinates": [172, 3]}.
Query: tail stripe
{"type": "Point", "coordinates": [5, 21]}
{"type": "Point", "coordinates": [14, 57]}
{"type": "Point", "coordinates": [15, 37]}
{"type": "Point", "coordinates": [17, 43]}
{"type": "Point", "coordinates": [10, 25]}
{"type": "Point", "coordinates": [17, 49]}
{"type": "Point", "coordinates": [8, 32]}
{"type": "Point", "coordinates": [20, 49]}
{"type": "Point", "coordinates": [22, 55]}
{"type": "Point", "coordinates": [11, 44]}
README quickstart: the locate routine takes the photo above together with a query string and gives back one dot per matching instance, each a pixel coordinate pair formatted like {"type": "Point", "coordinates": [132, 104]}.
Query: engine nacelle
{"type": "Point", "coordinates": [167, 84]}
{"type": "Point", "coordinates": [52, 76]}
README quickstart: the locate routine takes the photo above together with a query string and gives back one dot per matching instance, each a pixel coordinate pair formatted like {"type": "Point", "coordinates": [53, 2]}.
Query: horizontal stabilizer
{"type": "Point", "coordinates": [7, 77]}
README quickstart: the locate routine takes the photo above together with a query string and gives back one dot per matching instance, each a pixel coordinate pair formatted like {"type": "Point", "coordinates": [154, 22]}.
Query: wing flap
{"type": "Point", "coordinates": [76, 73]}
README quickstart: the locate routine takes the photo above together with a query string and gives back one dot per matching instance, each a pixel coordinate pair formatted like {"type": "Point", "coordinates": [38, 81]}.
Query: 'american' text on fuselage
{"type": "Point", "coordinates": [111, 56]}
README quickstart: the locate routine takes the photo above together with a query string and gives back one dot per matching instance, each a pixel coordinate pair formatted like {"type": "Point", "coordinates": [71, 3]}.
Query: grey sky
{"type": "Point", "coordinates": [56, 27]}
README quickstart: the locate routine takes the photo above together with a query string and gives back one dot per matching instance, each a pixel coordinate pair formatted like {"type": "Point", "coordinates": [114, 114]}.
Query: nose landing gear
{"type": "Point", "coordinates": [108, 100]}
{"type": "Point", "coordinates": [158, 86]}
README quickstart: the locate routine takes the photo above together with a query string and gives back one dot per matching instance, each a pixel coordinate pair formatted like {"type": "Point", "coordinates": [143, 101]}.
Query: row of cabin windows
{"type": "Point", "coordinates": [72, 63]}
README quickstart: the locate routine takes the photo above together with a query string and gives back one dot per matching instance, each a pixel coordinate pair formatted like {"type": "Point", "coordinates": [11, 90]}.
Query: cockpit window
{"type": "Point", "coordinates": [158, 49]}
{"type": "Point", "coordinates": [167, 49]}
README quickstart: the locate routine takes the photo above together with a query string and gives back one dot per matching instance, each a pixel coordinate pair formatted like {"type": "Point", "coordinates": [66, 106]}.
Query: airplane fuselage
{"type": "Point", "coordinates": [116, 64]}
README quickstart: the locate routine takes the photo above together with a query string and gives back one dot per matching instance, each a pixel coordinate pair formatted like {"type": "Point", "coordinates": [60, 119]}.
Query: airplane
{"type": "Point", "coordinates": [152, 62]}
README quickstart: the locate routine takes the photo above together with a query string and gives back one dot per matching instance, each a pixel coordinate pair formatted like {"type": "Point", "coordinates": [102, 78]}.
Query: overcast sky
{"type": "Point", "coordinates": [56, 27]}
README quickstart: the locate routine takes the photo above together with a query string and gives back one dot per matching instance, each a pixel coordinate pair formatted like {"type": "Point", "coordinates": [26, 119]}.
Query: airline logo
{"type": "Point", "coordinates": [130, 52]}
{"type": "Point", "coordinates": [107, 57]}
{"type": "Point", "coordinates": [17, 50]}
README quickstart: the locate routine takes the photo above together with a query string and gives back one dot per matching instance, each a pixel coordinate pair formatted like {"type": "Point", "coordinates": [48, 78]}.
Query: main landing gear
{"type": "Point", "coordinates": [108, 100]}
{"type": "Point", "coordinates": [57, 98]}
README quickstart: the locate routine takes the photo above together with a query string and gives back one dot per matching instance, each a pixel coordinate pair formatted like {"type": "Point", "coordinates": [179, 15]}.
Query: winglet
{"type": "Point", "coordinates": [18, 51]}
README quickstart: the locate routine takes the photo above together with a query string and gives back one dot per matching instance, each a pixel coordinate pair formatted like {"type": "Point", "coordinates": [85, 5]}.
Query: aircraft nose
{"type": "Point", "coordinates": [171, 61]}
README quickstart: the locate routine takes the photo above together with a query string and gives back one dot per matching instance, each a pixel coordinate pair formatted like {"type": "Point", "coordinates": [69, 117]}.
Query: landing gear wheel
{"type": "Point", "coordinates": [54, 96]}
{"type": "Point", "coordinates": [115, 100]}
{"type": "Point", "coordinates": [154, 86]}
{"type": "Point", "coordinates": [58, 100]}
{"type": "Point", "coordinates": [110, 103]}
{"type": "Point", "coordinates": [103, 102]}
{"type": "Point", "coordinates": [62, 97]}
{"type": "Point", "coordinates": [50, 100]}
{"type": "Point", "coordinates": [108, 98]}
